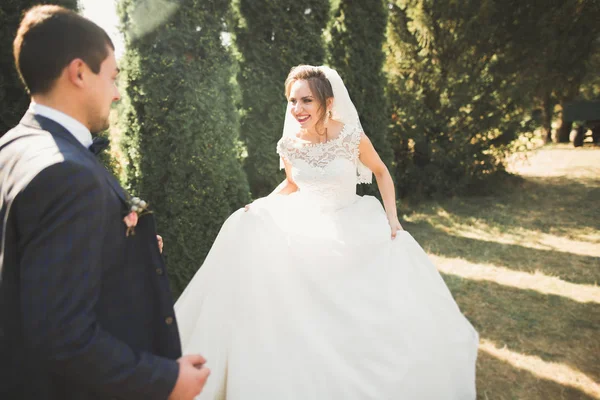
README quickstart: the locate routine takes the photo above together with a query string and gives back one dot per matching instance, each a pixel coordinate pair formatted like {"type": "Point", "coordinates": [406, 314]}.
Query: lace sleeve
{"type": "Point", "coordinates": [283, 152]}
{"type": "Point", "coordinates": [363, 174]}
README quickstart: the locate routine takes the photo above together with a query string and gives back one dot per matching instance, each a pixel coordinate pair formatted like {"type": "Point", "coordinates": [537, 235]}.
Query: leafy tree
{"type": "Point", "coordinates": [451, 106]}
{"type": "Point", "coordinates": [550, 45]}
{"type": "Point", "coordinates": [572, 38]}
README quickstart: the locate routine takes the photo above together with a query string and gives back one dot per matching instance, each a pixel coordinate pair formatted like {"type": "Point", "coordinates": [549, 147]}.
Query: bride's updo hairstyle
{"type": "Point", "coordinates": [318, 83]}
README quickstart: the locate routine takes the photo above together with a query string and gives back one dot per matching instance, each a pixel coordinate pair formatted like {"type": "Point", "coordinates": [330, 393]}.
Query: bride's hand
{"type": "Point", "coordinates": [160, 243]}
{"type": "Point", "coordinates": [247, 206]}
{"type": "Point", "coordinates": [395, 226]}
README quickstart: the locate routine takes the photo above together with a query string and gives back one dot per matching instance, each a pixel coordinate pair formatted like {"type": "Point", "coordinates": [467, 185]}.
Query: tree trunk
{"type": "Point", "coordinates": [562, 134]}
{"type": "Point", "coordinates": [579, 136]}
{"type": "Point", "coordinates": [547, 113]}
{"type": "Point", "coordinates": [596, 134]}
{"type": "Point", "coordinates": [547, 129]}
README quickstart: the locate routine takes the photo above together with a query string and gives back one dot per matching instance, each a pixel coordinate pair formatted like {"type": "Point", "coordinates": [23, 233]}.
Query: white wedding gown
{"type": "Point", "coordinates": [306, 296]}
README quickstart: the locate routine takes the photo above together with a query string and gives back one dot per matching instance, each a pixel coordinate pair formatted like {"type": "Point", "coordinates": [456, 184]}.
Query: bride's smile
{"type": "Point", "coordinates": [305, 108]}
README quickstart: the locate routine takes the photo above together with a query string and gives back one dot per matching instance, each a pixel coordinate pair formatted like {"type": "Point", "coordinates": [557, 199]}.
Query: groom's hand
{"type": "Point", "coordinates": [191, 379]}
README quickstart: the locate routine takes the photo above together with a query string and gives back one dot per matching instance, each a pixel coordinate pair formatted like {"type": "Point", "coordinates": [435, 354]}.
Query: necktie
{"type": "Point", "coordinates": [99, 144]}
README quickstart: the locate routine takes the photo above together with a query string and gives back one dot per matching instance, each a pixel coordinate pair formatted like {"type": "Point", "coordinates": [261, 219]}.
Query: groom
{"type": "Point", "coordinates": [85, 311]}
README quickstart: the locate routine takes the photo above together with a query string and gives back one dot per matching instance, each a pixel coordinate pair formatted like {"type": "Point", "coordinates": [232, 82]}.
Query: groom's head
{"type": "Point", "coordinates": [68, 61]}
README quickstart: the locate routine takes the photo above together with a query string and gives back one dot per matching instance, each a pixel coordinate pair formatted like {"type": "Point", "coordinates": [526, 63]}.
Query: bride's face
{"type": "Point", "coordinates": [303, 105]}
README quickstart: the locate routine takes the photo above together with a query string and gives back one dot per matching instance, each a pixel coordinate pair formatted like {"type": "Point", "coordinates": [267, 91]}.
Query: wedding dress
{"type": "Point", "coordinates": [306, 296]}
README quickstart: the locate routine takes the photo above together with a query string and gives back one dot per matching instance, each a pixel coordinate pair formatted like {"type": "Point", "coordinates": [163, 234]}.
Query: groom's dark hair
{"type": "Point", "coordinates": [49, 38]}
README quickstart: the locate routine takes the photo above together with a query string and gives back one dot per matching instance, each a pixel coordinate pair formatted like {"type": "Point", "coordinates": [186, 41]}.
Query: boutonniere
{"type": "Point", "coordinates": [137, 209]}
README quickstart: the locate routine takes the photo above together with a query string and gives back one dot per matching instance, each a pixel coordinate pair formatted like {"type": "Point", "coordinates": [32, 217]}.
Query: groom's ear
{"type": "Point", "coordinates": [76, 71]}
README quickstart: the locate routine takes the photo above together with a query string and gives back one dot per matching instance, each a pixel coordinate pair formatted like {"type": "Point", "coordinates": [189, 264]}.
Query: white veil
{"type": "Point", "coordinates": [342, 110]}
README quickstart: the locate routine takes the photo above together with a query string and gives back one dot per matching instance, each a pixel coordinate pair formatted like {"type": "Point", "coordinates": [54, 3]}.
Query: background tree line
{"type": "Point", "coordinates": [444, 90]}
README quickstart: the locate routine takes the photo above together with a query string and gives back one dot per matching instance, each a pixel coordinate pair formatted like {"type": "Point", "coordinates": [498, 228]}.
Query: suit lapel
{"type": "Point", "coordinates": [55, 129]}
{"type": "Point", "coordinates": [116, 187]}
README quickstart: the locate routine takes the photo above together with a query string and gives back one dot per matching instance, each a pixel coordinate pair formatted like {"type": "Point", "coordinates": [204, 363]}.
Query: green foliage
{"type": "Point", "coordinates": [590, 87]}
{"type": "Point", "coordinates": [14, 100]}
{"type": "Point", "coordinates": [547, 47]}
{"type": "Point", "coordinates": [355, 50]}
{"type": "Point", "coordinates": [180, 125]}
{"type": "Point", "coordinates": [454, 108]}
{"type": "Point", "coordinates": [272, 36]}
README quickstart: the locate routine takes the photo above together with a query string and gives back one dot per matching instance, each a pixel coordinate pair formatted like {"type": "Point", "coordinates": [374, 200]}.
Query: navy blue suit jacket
{"type": "Point", "coordinates": [85, 312]}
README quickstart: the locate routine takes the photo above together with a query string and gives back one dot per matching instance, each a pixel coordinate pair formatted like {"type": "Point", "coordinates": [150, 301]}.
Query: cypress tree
{"type": "Point", "coordinates": [13, 98]}
{"type": "Point", "coordinates": [355, 50]}
{"type": "Point", "coordinates": [179, 124]}
{"type": "Point", "coordinates": [272, 36]}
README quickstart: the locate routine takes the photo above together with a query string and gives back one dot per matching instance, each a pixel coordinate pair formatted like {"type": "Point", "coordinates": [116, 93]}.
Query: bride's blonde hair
{"type": "Point", "coordinates": [318, 83]}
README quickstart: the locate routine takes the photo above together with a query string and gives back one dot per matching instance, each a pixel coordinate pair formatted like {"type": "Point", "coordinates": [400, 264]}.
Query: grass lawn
{"type": "Point", "coordinates": [524, 266]}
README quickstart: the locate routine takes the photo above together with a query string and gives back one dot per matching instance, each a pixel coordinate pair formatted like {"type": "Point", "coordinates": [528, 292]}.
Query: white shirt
{"type": "Point", "coordinates": [76, 128]}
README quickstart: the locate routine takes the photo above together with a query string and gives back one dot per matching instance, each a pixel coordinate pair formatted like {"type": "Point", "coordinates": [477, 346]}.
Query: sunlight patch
{"type": "Point", "coordinates": [529, 238]}
{"type": "Point", "coordinates": [562, 160]}
{"type": "Point", "coordinates": [148, 15]}
{"type": "Point", "coordinates": [556, 372]}
{"type": "Point", "coordinates": [580, 243]}
{"type": "Point", "coordinates": [522, 280]}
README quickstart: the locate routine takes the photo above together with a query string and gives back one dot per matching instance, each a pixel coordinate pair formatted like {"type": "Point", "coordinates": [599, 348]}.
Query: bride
{"type": "Point", "coordinates": [317, 293]}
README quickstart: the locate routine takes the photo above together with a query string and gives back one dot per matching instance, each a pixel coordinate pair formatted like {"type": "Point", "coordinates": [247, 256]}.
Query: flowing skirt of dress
{"type": "Point", "coordinates": [300, 302]}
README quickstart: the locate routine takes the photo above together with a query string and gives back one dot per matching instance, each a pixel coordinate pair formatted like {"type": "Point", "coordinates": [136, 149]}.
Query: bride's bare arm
{"type": "Point", "coordinates": [370, 158]}
{"type": "Point", "coordinates": [290, 186]}
{"type": "Point", "coordinates": [287, 187]}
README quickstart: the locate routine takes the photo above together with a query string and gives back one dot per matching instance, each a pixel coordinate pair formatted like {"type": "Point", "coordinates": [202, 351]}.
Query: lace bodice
{"type": "Point", "coordinates": [325, 171]}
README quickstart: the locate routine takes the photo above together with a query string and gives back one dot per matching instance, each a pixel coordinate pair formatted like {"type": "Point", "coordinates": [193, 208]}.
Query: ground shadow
{"type": "Point", "coordinates": [555, 205]}
{"type": "Point", "coordinates": [569, 267]}
{"type": "Point", "coordinates": [553, 328]}
{"type": "Point", "coordinates": [499, 380]}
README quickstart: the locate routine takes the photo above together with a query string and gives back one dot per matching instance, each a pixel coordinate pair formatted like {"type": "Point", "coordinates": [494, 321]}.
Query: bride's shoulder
{"type": "Point", "coordinates": [284, 143]}
{"type": "Point", "coordinates": [350, 130]}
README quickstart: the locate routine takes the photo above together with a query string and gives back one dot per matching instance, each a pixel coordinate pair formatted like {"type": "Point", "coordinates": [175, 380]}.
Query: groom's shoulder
{"type": "Point", "coordinates": [27, 151]}
{"type": "Point", "coordinates": [29, 144]}
{"type": "Point", "coordinates": [23, 137]}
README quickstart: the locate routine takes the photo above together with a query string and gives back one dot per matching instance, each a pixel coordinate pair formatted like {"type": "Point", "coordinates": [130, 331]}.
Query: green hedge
{"type": "Point", "coordinates": [272, 36]}
{"type": "Point", "coordinates": [355, 50]}
{"type": "Point", "coordinates": [180, 125]}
